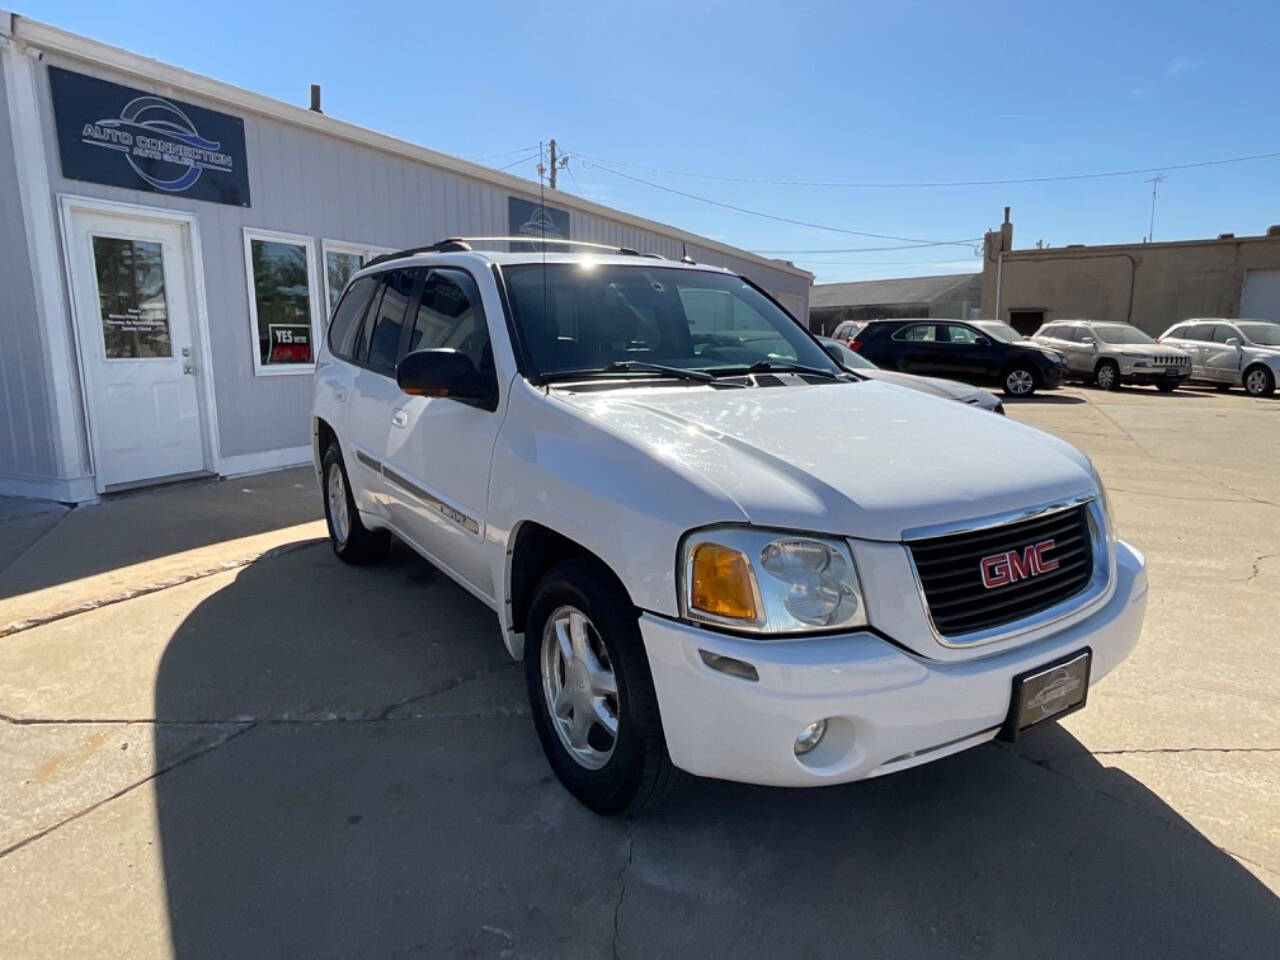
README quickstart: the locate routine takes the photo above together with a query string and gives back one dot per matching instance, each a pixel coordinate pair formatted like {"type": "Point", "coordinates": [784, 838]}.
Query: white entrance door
{"type": "Point", "coordinates": [130, 279]}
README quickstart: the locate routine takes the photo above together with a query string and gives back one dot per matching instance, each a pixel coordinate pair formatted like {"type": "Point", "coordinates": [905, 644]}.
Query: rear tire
{"type": "Point", "coordinates": [1107, 376]}
{"type": "Point", "coordinates": [582, 639]}
{"type": "Point", "coordinates": [352, 541]}
{"type": "Point", "coordinates": [1259, 382]}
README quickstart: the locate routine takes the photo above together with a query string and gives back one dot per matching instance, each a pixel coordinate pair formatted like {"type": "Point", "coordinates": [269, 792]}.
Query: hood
{"type": "Point", "coordinates": [1146, 350]}
{"type": "Point", "coordinates": [863, 459]}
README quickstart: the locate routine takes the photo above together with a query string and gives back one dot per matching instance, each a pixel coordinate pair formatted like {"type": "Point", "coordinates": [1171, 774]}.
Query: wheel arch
{"type": "Point", "coordinates": [532, 549]}
{"type": "Point", "coordinates": [1259, 365]}
{"type": "Point", "coordinates": [322, 434]}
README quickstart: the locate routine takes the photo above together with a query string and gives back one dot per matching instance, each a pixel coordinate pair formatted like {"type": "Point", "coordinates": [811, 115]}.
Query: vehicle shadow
{"type": "Point", "coordinates": [102, 537]}
{"type": "Point", "coordinates": [1044, 399]}
{"type": "Point", "coordinates": [389, 798]}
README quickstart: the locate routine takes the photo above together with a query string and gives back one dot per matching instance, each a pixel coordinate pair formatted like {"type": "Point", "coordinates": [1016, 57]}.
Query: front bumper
{"type": "Point", "coordinates": [886, 709]}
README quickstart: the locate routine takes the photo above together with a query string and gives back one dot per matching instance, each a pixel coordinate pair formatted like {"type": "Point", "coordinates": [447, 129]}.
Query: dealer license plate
{"type": "Point", "coordinates": [1047, 692]}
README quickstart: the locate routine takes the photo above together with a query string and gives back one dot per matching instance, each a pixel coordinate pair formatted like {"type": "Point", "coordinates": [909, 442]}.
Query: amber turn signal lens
{"type": "Point", "coordinates": [722, 583]}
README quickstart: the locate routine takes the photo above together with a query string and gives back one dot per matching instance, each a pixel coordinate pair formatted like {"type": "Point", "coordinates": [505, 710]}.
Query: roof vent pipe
{"type": "Point", "coordinates": [315, 98]}
{"type": "Point", "coordinates": [1273, 230]}
{"type": "Point", "coordinates": [1226, 236]}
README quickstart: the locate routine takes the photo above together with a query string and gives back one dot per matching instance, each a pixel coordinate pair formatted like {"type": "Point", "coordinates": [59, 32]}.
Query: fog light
{"type": "Point", "coordinates": [810, 737]}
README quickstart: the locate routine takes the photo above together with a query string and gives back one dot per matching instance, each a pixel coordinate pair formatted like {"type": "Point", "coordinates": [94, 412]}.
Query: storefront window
{"type": "Point", "coordinates": [280, 281]}
{"type": "Point", "coordinates": [339, 266]}
{"type": "Point", "coordinates": [134, 313]}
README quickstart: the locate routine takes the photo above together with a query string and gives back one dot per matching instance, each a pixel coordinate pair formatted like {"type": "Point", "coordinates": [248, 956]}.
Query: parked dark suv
{"type": "Point", "coordinates": [984, 352]}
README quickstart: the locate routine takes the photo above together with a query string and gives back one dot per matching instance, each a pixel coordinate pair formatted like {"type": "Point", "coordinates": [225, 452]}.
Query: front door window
{"type": "Point", "coordinates": [131, 298]}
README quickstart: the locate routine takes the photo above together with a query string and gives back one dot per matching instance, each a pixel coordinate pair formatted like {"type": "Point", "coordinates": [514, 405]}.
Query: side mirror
{"type": "Point", "coordinates": [982, 342]}
{"type": "Point", "coordinates": [442, 373]}
{"type": "Point", "coordinates": [1233, 341]}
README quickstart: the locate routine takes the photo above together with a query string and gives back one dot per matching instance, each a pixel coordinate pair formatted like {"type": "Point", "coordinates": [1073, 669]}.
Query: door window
{"type": "Point", "coordinates": [1222, 333]}
{"type": "Point", "coordinates": [450, 316]}
{"type": "Point", "coordinates": [131, 298]}
{"type": "Point", "coordinates": [961, 335]}
{"type": "Point", "coordinates": [920, 332]}
{"type": "Point", "coordinates": [386, 325]}
{"type": "Point", "coordinates": [1200, 331]}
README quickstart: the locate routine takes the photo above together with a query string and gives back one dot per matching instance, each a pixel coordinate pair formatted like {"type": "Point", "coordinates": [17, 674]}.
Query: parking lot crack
{"type": "Point", "coordinates": [386, 712]}
{"type": "Point", "coordinates": [622, 891]}
{"type": "Point", "coordinates": [1257, 567]}
{"type": "Point", "coordinates": [209, 747]}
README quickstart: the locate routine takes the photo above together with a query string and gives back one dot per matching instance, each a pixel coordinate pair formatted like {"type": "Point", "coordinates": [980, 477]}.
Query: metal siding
{"type": "Point", "coordinates": [306, 183]}
{"type": "Point", "coordinates": [26, 423]}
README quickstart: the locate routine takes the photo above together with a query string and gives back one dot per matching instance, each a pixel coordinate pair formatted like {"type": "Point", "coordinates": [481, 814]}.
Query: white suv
{"type": "Point", "coordinates": [1231, 353]}
{"type": "Point", "coordinates": [715, 551]}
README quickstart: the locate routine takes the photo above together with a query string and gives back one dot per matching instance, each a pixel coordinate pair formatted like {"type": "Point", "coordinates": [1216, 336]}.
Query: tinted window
{"type": "Point", "coordinates": [1267, 334]}
{"type": "Point", "coordinates": [387, 324]}
{"type": "Point", "coordinates": [1199, 331]}
{"type": "Point", "coordinates": [1222, 333]}
{"type": "Point", "coordinates": [449, 315]}
{"type": "Point", "coordinates": [346, 318]}
{"type": "Point", "coordinates": [920, 331]}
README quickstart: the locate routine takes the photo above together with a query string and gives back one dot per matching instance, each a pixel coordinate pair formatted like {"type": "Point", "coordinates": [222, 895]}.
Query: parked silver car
{"type": "Point", "coordinates": [1111, 354]}
{"type": "Point", "coordinates": [1230, 353]}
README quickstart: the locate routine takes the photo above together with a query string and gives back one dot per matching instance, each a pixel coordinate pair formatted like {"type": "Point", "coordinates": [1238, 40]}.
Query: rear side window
{"type": "Point", "coordinates": [347, 316]}
{"type": "Point", "coordinates": [386, 325]}
{"type": "Point", "coordinates": [450, 315]}
{"type": "Point", "coordinates": [1199, 331]}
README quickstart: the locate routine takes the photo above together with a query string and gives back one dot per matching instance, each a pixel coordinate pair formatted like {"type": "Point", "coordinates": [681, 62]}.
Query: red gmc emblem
{"type": "Point", "coordinates": [1002, 569]}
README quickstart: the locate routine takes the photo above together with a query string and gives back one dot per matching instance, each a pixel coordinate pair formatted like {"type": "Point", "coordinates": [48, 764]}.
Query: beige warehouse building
{"type": "Point", "coordinates": [1150, 285]}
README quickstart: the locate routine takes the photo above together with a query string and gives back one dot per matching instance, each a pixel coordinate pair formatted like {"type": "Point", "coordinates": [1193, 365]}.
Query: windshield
{"type": "Point", "coordinates": [584, 316]}
{"type": "Point", "coordinates": [1121, 334]}
{"type": "Point", "coordinates": [1265, 334]}
{"type": "Point", "coordinates": [999, 331]}
{"type": "Point", "coordinates": [846, 357]}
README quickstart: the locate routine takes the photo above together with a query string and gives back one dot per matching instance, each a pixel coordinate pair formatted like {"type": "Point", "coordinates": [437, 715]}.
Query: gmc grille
{"type": "Point", "coordinates": [950, 571]}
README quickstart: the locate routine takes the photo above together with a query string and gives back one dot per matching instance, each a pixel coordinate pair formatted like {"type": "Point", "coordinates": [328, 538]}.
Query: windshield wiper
{"type": "Point", "coordinates": [782, 366]}
{"type": "Point", "coordinates": [629, 366]}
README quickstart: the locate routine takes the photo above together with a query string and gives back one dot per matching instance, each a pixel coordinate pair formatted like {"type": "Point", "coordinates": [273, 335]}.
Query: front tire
{"type": "Point", "coordinates": [352, 541]}
{"type": "Point", "coordinates": [1019, 381]}
{"type": "Point", "coordinates": [591, 692]}
{"type": "Point", "coordinates": [1107, 376]}
{"type": "Point", "coordinates": [1259, 382]}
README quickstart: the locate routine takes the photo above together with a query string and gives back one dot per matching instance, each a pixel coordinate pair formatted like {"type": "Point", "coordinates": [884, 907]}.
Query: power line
{"type": "Point", "coordinates": [885, 263]}
{"type": "Point", "coordinates": [775, 217]}
{"type": "Point", "coordinates": [506, 153]}
{"type": "Point", "coordinates": [525, 159]}
{"type": "Point", "coordinates": [939, 183]}
{"type": "Point", "coordinates": [909, 246]}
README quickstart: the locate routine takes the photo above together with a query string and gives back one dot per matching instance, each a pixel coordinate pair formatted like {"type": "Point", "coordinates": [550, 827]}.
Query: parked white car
{"type": "Point", "coordinates": [715, 554]}
{"type": "Point", "coordinates": [1109, 355]}
{"type": "Point", "coordinates": [1231, 353]}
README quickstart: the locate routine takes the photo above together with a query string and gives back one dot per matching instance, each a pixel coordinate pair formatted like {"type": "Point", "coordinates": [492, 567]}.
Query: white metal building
{"type": "Point", "coordinates": [170, 245]}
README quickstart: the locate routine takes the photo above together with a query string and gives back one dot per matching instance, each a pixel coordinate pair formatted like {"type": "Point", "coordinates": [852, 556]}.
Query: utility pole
{"type": "Point", "coordinates": [1155, 183]}
{"type": "Point", "coordinates": [553, 163]}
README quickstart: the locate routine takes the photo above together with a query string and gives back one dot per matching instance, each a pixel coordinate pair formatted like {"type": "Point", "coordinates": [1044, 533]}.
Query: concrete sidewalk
{"type": "Point", "coordinates": [56, 561]}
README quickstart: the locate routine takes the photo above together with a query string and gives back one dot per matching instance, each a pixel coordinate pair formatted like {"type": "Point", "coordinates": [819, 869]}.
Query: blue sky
{"type": "Point", "coordinates": [863, 92]}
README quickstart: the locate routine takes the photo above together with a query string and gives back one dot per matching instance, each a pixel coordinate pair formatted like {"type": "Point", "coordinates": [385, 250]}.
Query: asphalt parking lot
{"type": "Point", "coordinates": [217, 741]}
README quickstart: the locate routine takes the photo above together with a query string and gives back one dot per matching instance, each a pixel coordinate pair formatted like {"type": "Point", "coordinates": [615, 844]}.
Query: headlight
{"type": "Point", "coordinates": [1105, 501]}
{"type": "Point", "coordinates": [763, 581]}
{"type": "Point", "coordinates": [1142, 361]}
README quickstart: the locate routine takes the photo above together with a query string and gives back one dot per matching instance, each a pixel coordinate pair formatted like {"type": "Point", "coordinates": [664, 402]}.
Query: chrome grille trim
{"type": "Point", "coordinates": [1095, 591]}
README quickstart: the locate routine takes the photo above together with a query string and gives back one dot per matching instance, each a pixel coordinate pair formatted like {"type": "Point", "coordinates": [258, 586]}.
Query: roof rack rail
{"type": "Point", "coordinates": [464, 245]}
{"type": "Point", "coordinates": [450, 245]}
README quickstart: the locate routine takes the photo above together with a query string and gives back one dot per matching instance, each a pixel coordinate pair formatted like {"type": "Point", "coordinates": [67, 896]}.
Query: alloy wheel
{"type": "Point", "coordinates": [339, 519]}
{"type": "Point", "coordinates": [580, 687]}
{"type": "Point", "coordinates": [1256, 382]}
{"type": "Point", "coordinates": [1019, 382]}
{"type": "Point", "coordinates": [1106, 377]}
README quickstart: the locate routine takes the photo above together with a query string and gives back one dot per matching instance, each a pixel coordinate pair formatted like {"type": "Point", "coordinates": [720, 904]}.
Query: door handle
{"type": "Point", "coordinates": [399, 419]}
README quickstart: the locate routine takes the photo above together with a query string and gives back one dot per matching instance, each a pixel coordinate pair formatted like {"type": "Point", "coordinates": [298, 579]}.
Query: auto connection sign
{"type": "Point", "coordinates": [112, 134]}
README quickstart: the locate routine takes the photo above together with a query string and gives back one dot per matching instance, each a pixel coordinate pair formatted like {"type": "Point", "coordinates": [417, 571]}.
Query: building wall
{"type": "Point", "coordinates": [310, 183]}
{"type": "Point", "coordinates": [26, 429]}
{"type": "Point", "coordinates": [1149, 285]}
